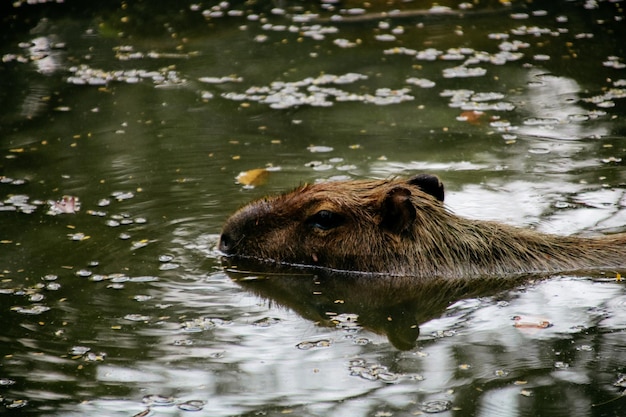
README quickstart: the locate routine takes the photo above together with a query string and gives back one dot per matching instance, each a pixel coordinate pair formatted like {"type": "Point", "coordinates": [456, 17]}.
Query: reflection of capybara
{"type": "Point", "coordinates": [400, 227]}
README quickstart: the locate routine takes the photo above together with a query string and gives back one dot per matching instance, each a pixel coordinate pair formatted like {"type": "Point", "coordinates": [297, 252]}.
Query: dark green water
{"type": "Point", "coordinates": [144, 115]}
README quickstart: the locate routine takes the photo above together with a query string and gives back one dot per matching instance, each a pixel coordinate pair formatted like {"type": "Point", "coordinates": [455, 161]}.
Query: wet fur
{"type": "Point", "coordinates": [401, 227]}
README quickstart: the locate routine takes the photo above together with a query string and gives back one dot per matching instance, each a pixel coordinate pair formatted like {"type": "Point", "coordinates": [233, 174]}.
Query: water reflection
{"type": "Point", "coordinates": [553, 108]}
{"type": "Point", "coordinates": [392, 306]}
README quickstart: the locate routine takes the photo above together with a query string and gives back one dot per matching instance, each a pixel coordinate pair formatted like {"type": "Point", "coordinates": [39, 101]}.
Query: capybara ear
{"type": "Point", "coordinates": [397, 210]}
{"type": "Point", "coordinates": [428, 183]}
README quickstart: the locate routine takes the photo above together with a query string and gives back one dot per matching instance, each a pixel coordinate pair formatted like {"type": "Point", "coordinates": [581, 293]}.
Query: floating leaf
{"type": "Point", "coordinates": [253, 177]}
{"type": "Point", "coordinates": [67, 204]}
{"type": "Point", "coordinates": [531, 323]}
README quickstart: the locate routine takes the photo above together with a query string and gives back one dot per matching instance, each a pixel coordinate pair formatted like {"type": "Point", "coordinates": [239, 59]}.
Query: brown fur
{"type": "Point", "coordinates": [400, 227]}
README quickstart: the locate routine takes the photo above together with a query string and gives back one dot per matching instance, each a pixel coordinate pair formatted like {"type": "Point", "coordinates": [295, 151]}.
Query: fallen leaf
{"type": "Point", "coordinates": [531, 323]}
{"type": "Point", "coordinates": [253, 177]}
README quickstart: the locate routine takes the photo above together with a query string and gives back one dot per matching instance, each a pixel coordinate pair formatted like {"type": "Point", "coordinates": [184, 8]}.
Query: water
{"type": "Point", "coordinates": [123, 131]}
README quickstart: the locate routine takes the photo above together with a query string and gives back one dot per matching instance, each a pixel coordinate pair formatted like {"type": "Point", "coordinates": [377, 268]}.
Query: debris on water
{"type": "Point", "coordinates": [323, 343]}
{"type": "Point", "coordinates": [361, 341]}
{"type": "Point", "coordinates": [486, 96]}
{"type": "Point", "coordinates": [168, 266]}
{"type": "Point", "coordinates": [354, 11]}
{"type": "Point", "coordinates": [317, 92]}
{"type": "Point", "coordinates": [420, 82]}
{"type": "Point", "coordinates": [79, 350]}
{"type": "Point", "coordinates": [122, 195]}
{"type": "Point", "coordinates": [143, 413]}
{"type": "Point", "coordinates": [78, 236]}
{"type": "Point", "coordinates": [253, 177]}
{"type": "Point", "coordinates": [137, 318]}
{"type": "Point", "coordinates": [203, 323]}
{"type": "Point", "coordinates": [584, 348]}
{"type": "Point", "coordinates": [116, 286]}
{"type": "Point", "coordinates": [166, 258]}
{"type": "Point", "coordinates": [621, 381]}
{"type": "Point", "coordinates": [266, 322]}
{"type": "Point", "coordinates": [316, 149]}
{"type": "Point", "coordinates": [511, 46]}
{"type": "Point", "coordinates": [112, 223]}
{"type": "Point", "coordinates": [84, 273]}
{"type": "Point", "coordinates": [11, 404]}
{"type": "Point", "coordinates": [540, 121]}
{"type": "Point", "coordinates": [372, 372]}
{"type": "Point", "coordinates": [159, 400]}
{"type": "Point", "coordinates": [32, 311]}
{"type": "Point", "coordinates": [541, 57]}
{"type": "Point", "coordinates": [429, 54]}
{"type": "Point", "coordinates": [463, 72]}
{"type": "Point", "coordinates": [385, 37]}
{"type": "Point", "coordinates": [346, 321]}
{"type": "Point", "coordinates": [501, 125]}
{"type": "Point", "coordinates": [578, 117]}
{"type": "Point", "coordinates": [12, 181]}
{"type": "Point", "coordinates": [345, 43]}
{"type": "Point", "coordinates": [531, 30]}
{"type": "Point", "coordinates": [443, 333]}
{"type": "Point", "coordinates": [531, 323]}
{"type": "Point", "coordinates": [612, 160]}
{"type": "Point", "coordinates": [526, 393]}
{"type": "Point", "coordinates": [98, 277]}
{"type": "Point", "coordinates": [221, 80]}
{"type": "Point", "coordinates": [435, 406]}
{"type": "Point", "coordinates": [400, 50]}
{"type": "Point", "coordinates": [85, 75]}
{"type": "Point", "coordinates": [614, 62]}
{"type": "Point", "coordinates": [192, 405]}
{"type": "Point", "coordinates": [94, 357]}
{"type": "Point", "coordinates": [67, 204]}
{"type": "Point", "coordinates": [118, 278]}
{"type": "Point", "coordinates": [498, 36]}
{"type": "Point", "coordinates": [138, 244]}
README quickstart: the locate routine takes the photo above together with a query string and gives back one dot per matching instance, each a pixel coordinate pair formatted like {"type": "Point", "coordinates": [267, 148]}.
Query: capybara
{"type": "Point", "coordinates": [401, 227]}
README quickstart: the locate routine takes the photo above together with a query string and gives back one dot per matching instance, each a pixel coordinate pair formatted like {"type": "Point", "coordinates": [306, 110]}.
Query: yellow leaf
{"type": "Point", "coordinates": [253, 177]}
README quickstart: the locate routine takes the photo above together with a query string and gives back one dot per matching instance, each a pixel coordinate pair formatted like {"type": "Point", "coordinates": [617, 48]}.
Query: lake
{"type": "Point", "coordinates": [124, 133]}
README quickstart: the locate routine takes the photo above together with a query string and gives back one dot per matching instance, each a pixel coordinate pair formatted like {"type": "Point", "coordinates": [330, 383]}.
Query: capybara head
{"type": "Point", "coordinates": [348, 225]}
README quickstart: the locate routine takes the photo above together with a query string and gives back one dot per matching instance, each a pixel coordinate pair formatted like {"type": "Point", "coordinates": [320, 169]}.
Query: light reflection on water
{"type": "Point", "coordinates": [120, 307]}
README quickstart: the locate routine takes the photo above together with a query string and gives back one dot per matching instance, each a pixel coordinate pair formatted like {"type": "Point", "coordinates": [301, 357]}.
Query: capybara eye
{"type": "Point", "coordinates": [325, 220]}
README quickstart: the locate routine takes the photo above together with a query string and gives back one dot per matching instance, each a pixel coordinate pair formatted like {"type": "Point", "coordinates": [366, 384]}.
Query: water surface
{"type": "Point", "coordinates": [113, 299]}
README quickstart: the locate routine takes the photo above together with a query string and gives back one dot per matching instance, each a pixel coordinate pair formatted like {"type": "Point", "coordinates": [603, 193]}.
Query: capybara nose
{"type": "Point", "coordinates": [226, 243]}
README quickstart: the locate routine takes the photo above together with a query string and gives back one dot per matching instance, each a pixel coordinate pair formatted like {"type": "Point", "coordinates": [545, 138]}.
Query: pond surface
{"type": "Point", "coordinates": [124, 127]}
